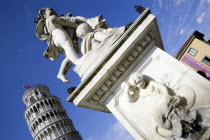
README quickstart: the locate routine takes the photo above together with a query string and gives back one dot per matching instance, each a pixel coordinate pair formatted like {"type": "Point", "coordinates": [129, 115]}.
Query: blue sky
{"type": "Point", "coordinates": [22, 63]}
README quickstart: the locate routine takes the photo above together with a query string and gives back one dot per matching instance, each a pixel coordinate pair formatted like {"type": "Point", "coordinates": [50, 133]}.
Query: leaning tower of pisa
{"type": "Point", "coordinates": [46, 117]}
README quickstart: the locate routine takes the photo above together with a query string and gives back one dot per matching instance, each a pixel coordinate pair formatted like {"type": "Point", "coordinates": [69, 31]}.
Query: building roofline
{"type": "Point", "coordinates": [196, 34]}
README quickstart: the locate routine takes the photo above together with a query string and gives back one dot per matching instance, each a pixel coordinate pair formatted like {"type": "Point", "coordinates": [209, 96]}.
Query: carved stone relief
{"type": "Point", "coordinates": [169, 108]}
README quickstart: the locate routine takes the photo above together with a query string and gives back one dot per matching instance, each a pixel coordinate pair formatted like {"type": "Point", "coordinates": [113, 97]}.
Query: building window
{"type": "Point", "coordinates": [36, 92]}
{"type": "Point", "coordinates": [206, 60]}
{"type": "Point", "coordinates": [192, 51]}
{"type": "Point", "coordinates": [32, 99]}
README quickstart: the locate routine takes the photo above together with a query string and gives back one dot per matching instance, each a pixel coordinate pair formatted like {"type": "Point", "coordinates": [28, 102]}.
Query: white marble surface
{"type": "Point", "coordinates": [138, 117]}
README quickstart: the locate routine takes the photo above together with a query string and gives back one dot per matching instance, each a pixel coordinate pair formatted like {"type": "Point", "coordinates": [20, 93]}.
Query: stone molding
{"type": "Point", "coordinates": [134, 44]}
{"type": "Point", "coordinates": [122, 67]}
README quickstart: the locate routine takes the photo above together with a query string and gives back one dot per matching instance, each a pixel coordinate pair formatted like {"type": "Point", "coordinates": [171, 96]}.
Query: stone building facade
{"type": "Point", "coordinates": [195, 53]}
{"type": "Point", "coordinates": [46, 117]}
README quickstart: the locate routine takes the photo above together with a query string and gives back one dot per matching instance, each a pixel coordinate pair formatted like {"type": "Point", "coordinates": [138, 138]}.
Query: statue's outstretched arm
{"type": "Point", "coordinates": [65, 22]}
{"type": "Point", "coordinates": [130, 95]}
{"type": "Point", "coordinates": [80, 19]}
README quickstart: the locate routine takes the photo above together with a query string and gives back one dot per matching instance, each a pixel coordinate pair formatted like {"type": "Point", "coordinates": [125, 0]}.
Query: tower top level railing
{"type": "Point", "coordinates": [31, 94]}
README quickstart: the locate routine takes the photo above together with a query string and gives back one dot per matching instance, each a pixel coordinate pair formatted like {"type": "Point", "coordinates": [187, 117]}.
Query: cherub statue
{"type": "Point", "coordinates": [137, 87]}
{"type": "Point", "coordinates": [92, 37]}
{"type": "Point", "coordinates": [60, 34]}
{"type": "Point", "coordinates": [50, 28]}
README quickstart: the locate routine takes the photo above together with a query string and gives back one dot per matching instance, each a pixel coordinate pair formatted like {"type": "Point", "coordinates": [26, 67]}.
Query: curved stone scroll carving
{"type": "Point", "coordinates": [171, 114]}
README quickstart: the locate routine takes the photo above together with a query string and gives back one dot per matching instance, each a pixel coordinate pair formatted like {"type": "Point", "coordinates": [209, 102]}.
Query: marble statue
{"type": "Point", "coordinates": [172, 114]}
{"type": "Point", "coordinates": [62, 32]}
{"type": "Point", "coordinates": [92, 33]}
{"type": "Point", "coordinates": [139, 9]}
{"type": "Point", "coordinates": [50, 29]}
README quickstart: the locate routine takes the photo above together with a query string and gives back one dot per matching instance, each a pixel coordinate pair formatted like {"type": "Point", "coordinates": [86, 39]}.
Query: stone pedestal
{"type": "Point", "coordinates": [140, 50]}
